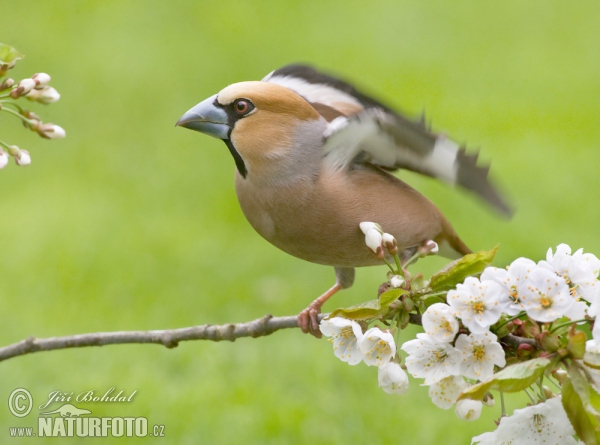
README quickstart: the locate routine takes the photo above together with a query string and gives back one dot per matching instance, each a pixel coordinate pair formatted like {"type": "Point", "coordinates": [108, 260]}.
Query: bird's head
{"type": "Point", "coordinates": [258, 121]}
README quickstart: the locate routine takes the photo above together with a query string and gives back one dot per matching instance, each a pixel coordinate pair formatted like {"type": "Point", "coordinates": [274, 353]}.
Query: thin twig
{"type": "Point", "coordinates": [170, 338]}
{"type": "Point", "coordinates": [517, 341]}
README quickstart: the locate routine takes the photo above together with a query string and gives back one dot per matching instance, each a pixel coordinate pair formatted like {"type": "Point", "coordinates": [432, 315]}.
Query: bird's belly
{"type": "Point", "coordinates": [307, 229]}
{"type": "Point", "coordinates": [319, 221]}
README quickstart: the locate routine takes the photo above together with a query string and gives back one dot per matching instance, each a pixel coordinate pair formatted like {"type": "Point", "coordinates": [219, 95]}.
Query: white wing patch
{"type": "Point", "coordinates": [364, 138]}
{"type": "Point", "coordinates": [442, 159]}
{"type": "Point", "coordinates": [315, 92]}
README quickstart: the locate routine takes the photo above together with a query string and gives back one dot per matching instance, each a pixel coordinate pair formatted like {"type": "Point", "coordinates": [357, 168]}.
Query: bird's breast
{"type": "Point", "coordinates": [317, 219]}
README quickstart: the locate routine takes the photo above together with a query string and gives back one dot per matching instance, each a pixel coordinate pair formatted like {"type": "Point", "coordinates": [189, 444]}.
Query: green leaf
{"type": "Point", "coordinates": [511, 379]}
{"type": "Point", "coordinates": [369, 309]}
{"type": "Point", "coordinates": [389, 296]}
{"type": "Point", "coordinates": [9, 55]}
{"type": "Point", "coordinates": [457, 271]}
{"type": "Point", "coordinates": [589, 397]}
{"type": "Point", "coordinates": [576, 345]}
{"type": "Point", "coordinates": [584, 423]}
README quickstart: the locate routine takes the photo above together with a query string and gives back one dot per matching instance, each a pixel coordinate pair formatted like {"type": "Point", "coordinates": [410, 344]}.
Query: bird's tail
{"type": "Point", "coordinates": [450, 244]}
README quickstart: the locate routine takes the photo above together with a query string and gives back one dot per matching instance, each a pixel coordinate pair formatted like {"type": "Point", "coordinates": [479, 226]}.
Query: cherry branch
{"type": "Point", "coordinates": [171, 338]}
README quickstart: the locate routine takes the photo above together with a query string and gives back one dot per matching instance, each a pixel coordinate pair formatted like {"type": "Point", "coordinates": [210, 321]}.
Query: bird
{"type": "Point", "coordinates": [314, 158]}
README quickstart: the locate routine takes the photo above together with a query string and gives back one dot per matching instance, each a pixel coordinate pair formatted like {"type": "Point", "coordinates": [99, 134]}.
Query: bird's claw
{"type": "Point", "coordinates": [308, 320]}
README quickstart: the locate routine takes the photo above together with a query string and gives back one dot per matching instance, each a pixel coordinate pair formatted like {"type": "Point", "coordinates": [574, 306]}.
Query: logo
{"type": "Point", "coordinates": [68, 410]}
{"type": "Point", "coordinates": [20, 402]}
{"type": "Point", "coordinates": [70, 420]}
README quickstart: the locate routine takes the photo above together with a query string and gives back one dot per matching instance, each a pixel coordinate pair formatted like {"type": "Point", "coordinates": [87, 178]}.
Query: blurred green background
{"type": "Point", "coordinates": [131, 223]}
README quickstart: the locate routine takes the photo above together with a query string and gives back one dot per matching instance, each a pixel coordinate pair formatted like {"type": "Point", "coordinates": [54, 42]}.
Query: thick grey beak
{"type": "Point", "coordinates": [207, 118]}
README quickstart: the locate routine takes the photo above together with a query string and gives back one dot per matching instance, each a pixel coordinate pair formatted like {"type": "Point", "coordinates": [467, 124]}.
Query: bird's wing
{"type": "Point", "coordinates": [363, 130]}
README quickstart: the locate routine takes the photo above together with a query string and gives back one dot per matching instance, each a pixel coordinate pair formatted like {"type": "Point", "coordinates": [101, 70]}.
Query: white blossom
{"type": "Point", "coordinates": [579, 270]}
{"type": "Point", "coordinates": [468, 409]}
{"type": "Point", "coordinates": [445, 392]}
{"type": "Point", "coordinates": [431, 360]}
{"type": "Point", "coordinates": [479, 353]}
{"type": "Point", "coordinates": [594, 309]}
{"type": "Point", "coordinates": [490, 438]}
{"type": "Point", "coordinates": [546, 296]}
{"type": "Point", "coordinates": [378, 347]}
{"type": "Point", "coordinates": [511, 279]}
{"type": "Point", "coordinates": [440, 322]}
{"type": "Point", "coordinates": [392, 378]}
{"type": "Point", "coordinates": [592, 352]}
{"type": "Point", "coordinates": [477, 303]}
{"type": "Point", "coordinates": [545, 423]}
{"type": "Point", "coordinates": [345, 335]}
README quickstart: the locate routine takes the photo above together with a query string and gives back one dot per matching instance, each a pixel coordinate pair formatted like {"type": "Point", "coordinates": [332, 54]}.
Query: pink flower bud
{"type": "Point", "coordinates": [51, 131]}
{"type": "Point", "coordinates": [23, 159]}
{"type": "Point", "coordinates": [428, 248]}
{"type": "Point", "coordinates": [41, 79]}
{"type": "Point", "coordinates": [27, 85]}
{"type": "Point", "coordinates": [6, 84]}
{"type": "Point", "coordinates": [46, 95]}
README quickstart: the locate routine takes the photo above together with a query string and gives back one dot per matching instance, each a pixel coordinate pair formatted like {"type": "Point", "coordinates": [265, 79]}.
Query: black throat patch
{"type": "Point", "coordinates": [239, 162]}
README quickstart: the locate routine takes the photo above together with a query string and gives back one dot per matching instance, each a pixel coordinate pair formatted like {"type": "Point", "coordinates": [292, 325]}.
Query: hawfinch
{"type": "Point", "coordinates": [313, 155]}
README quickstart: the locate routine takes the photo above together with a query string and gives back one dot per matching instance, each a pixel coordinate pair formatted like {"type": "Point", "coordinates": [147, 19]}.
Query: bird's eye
{"type": "Point", "coordinates": [243, 106]}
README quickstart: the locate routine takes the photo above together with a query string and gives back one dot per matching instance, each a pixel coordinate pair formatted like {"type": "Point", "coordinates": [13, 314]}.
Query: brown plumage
{"type": "Point", "coordinates": [310, 153]}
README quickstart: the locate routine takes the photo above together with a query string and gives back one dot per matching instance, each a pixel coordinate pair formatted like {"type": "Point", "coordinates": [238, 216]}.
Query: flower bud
{"type": "Point", "coordinates": [373, 239]}
{"type": "Point", "coordinates": [23, 87]}
{"type": "Point", "coordinates": [397, 281]}
{"type": "Point", "coordinates": [524, 350]}
{"type": "Point", "coordinates": [23, 159]}
{"type": "Point", "coordinates": [6, 84]}
{"type": "Point", "coordinates": [51, 131]}
{"type": "Point", "coordinates": [365, 226]}
{"type": "Point", "coordinates": [46, 95]}
{"type": "Point", "coordinates": [560, 375]}
{"type": "Point", "coordinates": [430, 247]}
{"type": "Point", "coordinates": [549, 342]}
{"type": "Point", "coordinates": [3, 159]}
{"type": "Point", "coordinates": [488, 400]}
{"type": "Point", "coordinates": [13, 150]}
{"type": "Point", "coordinates": [392, 378]}
{"type": "Point", "coordinates": [468, 409]}
{"type": "Point", "coordinates": [41, 79]}
{"type": "Point", "coordinates": [390, 243]}
{"type": "Point", "coordinates": [389, 239]}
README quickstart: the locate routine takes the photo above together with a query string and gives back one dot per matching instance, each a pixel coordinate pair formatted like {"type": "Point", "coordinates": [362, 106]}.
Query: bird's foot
{"type": "Point", "coordinates": [308, 319]}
